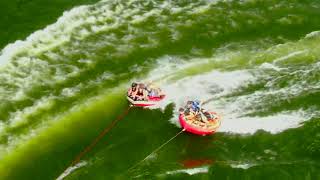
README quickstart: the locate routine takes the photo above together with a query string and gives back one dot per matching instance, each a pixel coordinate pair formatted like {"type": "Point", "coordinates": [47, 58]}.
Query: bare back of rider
{"type": "Point", "coordinates": [141, 93]}
{"type": "Point", "coordinates": [132, 93]}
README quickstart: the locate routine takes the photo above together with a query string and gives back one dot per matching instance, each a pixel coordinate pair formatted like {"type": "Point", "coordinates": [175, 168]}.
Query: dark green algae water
{"type": "Point", "coordinates": [63, 85]}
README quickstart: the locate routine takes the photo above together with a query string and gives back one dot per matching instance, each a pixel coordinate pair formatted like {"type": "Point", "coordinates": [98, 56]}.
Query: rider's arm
{"type": "Point", "coordinates": [129, 92]}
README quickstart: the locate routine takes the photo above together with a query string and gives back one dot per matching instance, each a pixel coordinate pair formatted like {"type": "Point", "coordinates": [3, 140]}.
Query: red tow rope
{"type": "Point", "coordinates": [98, 138]}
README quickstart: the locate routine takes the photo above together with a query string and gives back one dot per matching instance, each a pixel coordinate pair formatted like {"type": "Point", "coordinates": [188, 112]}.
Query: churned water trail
{"type": "Point", "coordinates": [255, 62]}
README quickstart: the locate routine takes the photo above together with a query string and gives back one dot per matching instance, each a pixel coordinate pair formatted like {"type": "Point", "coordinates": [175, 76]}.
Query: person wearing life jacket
{"type": "Point", "coordinates": [200, 112]}
{"type": "Point", "coordinates": [153, 90]}
{"type": "Point", "coordinates": [193, 106]}
{"type": "Point", "coordinates": [195, 109]}
{"type": "Point", "coordinates": [132, 92]}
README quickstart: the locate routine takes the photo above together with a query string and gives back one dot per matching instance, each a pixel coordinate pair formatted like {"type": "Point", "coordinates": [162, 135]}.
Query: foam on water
{"type": "Point", "coordinates": [215, 85]}
{"type": "Point", "coordinates": [288, 56]}
{"type": "Point", "coordinates": [47, 65]}
{"type": "Point", "coordinates": [248, 125]}
{"type": "Point", "coordinates": [18, 118]}
{"type": "Point", "coordinates": [71, 169]}
{"type": "Point", "coordinates": [192, 171]}
{"type": "Point", "coordinates": [167, 66]}
{"type": "Point", "coordinates": [100, 17]}
{"type": "Point", "coordinates": [242, 165]}
{"type": "Point", "coordinates": [206, 86]}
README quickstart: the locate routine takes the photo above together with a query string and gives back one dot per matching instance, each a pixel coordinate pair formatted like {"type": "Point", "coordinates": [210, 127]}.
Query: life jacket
{"type": "Point", "coordinates": [153, 93]}
{"type": "Point", "coordinates": [195, 106]}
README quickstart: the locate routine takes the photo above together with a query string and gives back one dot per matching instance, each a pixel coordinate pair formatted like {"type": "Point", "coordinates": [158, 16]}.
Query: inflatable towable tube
{"type": "Point", "coordinates": [200, 128]}
{"type": "Point", "coordinates": [144, 95]}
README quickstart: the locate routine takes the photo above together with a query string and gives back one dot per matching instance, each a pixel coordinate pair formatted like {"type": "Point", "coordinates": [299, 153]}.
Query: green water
{"type": "Point", "coordinates": [255, 62]}
{"type": "Point", "coordinates": [19, 18]}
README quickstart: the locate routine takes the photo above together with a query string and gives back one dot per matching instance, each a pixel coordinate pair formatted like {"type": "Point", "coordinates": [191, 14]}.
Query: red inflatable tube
{"type": "Point", "coordinates": [150, 102]}
{"type": "Point", "coordinates": [195, 129]}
